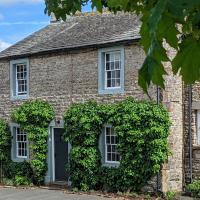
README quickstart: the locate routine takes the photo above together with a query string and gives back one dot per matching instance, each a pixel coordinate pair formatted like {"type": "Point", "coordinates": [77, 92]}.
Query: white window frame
{"type": "Point", "coordinates": [14, 93]}
{"type": "Point", "coordinates": [18, 142]}
{"type": "Point", "coordinates": [13, 128]}
{"type": "Point", "coordinates": [105, 70]}
{"type": "Point", "coordinates": [106, 151]}
{"type": "Point", "coordinates": [24, 79]}
{"type": "Point", "coordinates": [102, 75]}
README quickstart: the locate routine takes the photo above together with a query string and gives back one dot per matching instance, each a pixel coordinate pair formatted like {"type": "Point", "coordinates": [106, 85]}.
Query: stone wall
{"type": "Point", "coordinates": [172, 172]}
{"type": "Point", "coordinates": [73, 77]}
{"type": "Point", "coordinates": [195, 144]}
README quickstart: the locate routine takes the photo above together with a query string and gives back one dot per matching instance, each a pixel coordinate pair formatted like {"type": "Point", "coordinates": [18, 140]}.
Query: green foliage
{"type": "Point", "coordinates": [194, 188]}
{"type": "Point", "coordinates": [5, 138]}
{"type": "Point", "coordinates": [142, 129]}
{"type": "Point", "coordinates": [83, 125]}
{"type": "Point", "coordinates": [17, 173]}
{"type": "Point", "coordinates": [14, 173]}
{"type": "Point", "coordinates": [170, 195]}
{"type": "Point", "coordinates": [21, 180]}
{"type": "Point", "coordinates": [161, 21]}
{"type": "Point", "coordinates": [34, 118]}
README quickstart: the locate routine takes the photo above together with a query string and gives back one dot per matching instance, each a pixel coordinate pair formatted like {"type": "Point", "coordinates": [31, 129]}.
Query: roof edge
{"type": "Point", "coordinates": [67, 49]}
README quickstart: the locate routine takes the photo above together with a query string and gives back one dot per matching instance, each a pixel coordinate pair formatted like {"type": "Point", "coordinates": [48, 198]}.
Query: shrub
{"type": "Point", "coordinates": [5, 138]}
{"type": "Point", "coordinates": [83, 126]}
{"type": "Point", "coordinates": [21, 180]}
{"type": "Point", "coordinates": [170, 195]}
{"type": "Point", "coordinates": [142, 129]}
{"type": "Point", "coordinates": [34, 118]}
{"type": "Point", "coordinates": [194, 188]}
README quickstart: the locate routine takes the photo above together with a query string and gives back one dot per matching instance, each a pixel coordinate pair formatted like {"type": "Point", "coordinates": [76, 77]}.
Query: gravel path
{"type": "Point", "coordinates": [43, 194]}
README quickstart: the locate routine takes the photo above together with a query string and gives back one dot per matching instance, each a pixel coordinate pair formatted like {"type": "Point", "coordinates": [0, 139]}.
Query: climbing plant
{"type": "Point", "coordinates": [142, 129]}
{"type": "Point", "coordinates": [5, 138]}
{"type": "Point", "coordinates": [83, 125]}
{"type": "Point", "coordinates": [34, 118]}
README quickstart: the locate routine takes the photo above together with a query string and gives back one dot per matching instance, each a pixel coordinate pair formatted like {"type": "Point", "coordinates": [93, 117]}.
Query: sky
{"type": "Point", "coordinates": [20, 18]}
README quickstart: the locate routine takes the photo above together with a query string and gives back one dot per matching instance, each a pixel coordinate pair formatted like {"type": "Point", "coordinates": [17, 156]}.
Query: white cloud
{"type": "Point", "coordinates": [12, 2]}
{"type": "Point", "coordinates": [3, 45]}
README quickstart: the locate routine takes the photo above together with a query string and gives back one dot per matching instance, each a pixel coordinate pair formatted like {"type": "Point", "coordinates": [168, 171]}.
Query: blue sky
{"type": "Point", "coordinates": [20, 18]}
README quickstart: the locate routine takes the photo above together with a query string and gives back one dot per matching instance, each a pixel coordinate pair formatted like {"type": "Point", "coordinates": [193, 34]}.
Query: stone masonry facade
{"type": "Point", "coordinates": [195, 159]}
{"type": "Point", "coordinates": [67, 77]}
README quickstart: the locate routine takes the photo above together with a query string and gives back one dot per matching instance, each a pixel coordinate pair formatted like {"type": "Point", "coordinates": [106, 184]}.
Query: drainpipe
{"type": "Point", "coordinates": [190, 128]}
{"type": "Point", "coordinates": [158, 102]}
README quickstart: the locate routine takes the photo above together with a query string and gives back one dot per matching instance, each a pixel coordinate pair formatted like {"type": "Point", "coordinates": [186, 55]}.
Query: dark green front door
{"type": "Point", "coordinates": [61, 155]}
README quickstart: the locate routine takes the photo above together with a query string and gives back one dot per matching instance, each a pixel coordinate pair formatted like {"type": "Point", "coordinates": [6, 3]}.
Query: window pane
{"type": "Point", "coordinates": [107, 57]}
{"type": "Point", "coordinates": [112, 65]}
{"type": "Point", "coordinates": [112, 57]}
{"type": "Point", "coordinates": [117, 56]}
{"type": "Point", "coordinates": [109, 75]}
{"type": "Point", "coordinates": [112, 139]}
{"type": "Point", "coordinates": [108, 83]}
{"type": "Point", "coordinates": [113, 148]}
{"type": "Point", "coordinates": [109, 147]}
{"type": "Point", "coordinates": [109, 156]}
{"type": "Point", "coordinates": [117, 82]}
{"type": "Point", "coordinates": [113, 157]}
{"type": "Point", "coordinates": [107, 66]}
{"type": "Point", "coordinates": [117, 65]}
{"type": "Point", "coordinates": [113, 82]}
{"type": "Point", "coordinates": [117, 74]}
{"type": "Point", "coordinates": [108, 139]}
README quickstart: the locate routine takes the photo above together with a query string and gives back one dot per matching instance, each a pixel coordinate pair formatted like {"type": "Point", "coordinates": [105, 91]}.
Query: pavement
{"type": "Point", "coordinates": [43, 194]}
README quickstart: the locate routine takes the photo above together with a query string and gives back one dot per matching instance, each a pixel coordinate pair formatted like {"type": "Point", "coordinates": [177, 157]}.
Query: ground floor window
{"type": "Point", "coordinates": [111, 141]}
{"type": "Point", "coordinates": [21, 143]}
{"type": "Point", "coordinates": [20, 150]}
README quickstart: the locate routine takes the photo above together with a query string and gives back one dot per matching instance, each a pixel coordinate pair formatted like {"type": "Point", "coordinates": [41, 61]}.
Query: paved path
{"type": "Point", "coordinates": [42, 194]}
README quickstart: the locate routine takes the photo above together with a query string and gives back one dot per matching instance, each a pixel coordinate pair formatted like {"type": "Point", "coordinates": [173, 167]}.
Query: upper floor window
{"type": "Point", "coordinates": [111, 70]}
{"type": "Point", "coordinates": [19, 79]}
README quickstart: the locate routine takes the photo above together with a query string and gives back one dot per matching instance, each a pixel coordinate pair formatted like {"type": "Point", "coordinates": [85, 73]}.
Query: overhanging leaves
{"type": "Point", "coordinates": [187, 60]}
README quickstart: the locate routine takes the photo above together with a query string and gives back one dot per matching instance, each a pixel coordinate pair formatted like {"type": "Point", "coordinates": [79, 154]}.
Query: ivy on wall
{"type": "Point", "coordinates": [5, 138]}
{"type": "Point", "coordinates": [34, 118]}
{"type": "Point", "coordinates": [83, 124]}
{"type": "Point", "coordinates": [142, 129]}
{"type": "Point", "coordinates": [11, 173]}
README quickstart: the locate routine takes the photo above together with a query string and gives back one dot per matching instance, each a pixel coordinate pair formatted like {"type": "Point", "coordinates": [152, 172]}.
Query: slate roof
{"type": "Point", "coordinates": [85, 30]}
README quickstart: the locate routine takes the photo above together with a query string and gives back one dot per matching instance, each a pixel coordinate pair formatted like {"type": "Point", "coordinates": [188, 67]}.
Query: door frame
{"type": "Point", "coordinates": [50, 176]}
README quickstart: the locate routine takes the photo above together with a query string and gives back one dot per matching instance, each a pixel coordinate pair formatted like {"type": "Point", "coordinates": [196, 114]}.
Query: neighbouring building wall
{"type": "Point", "coordinates": [172, 98]}
{"type": "Point", "coordinates": [195, 133]}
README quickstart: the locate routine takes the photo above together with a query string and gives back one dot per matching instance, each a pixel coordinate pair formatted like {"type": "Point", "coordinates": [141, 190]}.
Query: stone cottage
{"type": "Point", "coordinates": [93, 56]}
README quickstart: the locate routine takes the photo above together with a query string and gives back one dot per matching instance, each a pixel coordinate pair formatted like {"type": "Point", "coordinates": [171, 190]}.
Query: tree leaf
{"type": "Point", "coordinates": [187, 60]}
{"type": "Point", "coordinates": [151, 71]}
